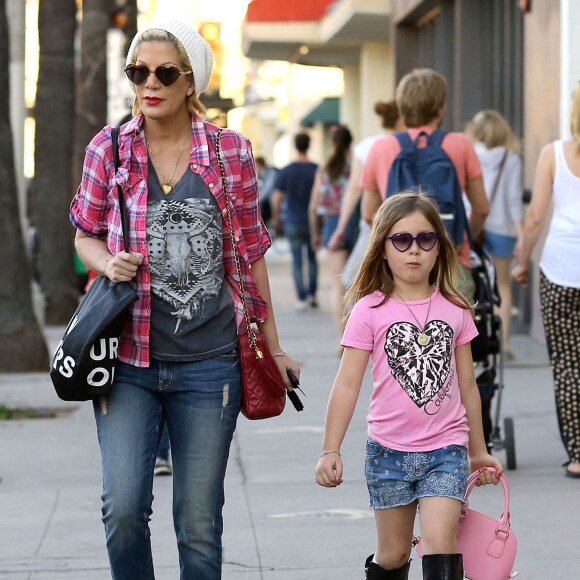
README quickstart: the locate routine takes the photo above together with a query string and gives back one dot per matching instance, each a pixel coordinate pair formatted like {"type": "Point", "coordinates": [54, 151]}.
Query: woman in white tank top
{"type": "Point", "coordinates": [558, 182]}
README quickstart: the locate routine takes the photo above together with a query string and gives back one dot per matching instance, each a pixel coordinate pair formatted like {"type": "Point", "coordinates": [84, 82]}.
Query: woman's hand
{"type": "Point", "coordinates": [284, 363]}
{"type": "Point", "coordinates": [486, 476]}
{"type": "Point", "coordinates": [520, 275]}
{"type": "Point", "coordinates": [329, 470]}
{"type": "Point", "coordinates": [336, 241]}
{"type": "Point", "coordinates": [123, 266]}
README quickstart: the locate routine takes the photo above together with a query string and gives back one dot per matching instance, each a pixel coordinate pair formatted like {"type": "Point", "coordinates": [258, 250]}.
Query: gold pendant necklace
{"type": "Point", "coordinates": [422, 339]}
{"type": "Point", "coordinates": [167, 189]}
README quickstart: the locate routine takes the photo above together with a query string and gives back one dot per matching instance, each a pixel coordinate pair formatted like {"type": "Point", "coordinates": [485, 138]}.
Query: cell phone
{"type": "Point", "coordinates": [292, 394]}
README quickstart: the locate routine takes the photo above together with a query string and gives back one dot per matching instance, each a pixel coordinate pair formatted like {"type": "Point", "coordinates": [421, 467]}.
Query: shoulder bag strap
{"type": "Point", "coordinates": [498, 176]}
{"type": "Point", "coordinates": [122, 208]}
{"type": "Point", "coordinates": [251, 334]}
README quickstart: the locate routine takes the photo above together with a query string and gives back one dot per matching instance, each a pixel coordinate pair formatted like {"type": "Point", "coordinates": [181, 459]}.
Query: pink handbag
{"type": "Point", "coordinates": [488, 545]}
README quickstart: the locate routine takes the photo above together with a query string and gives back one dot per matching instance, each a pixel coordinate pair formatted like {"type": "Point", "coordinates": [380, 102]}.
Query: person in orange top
{"type": "Point", "coordinates": [420, 97]}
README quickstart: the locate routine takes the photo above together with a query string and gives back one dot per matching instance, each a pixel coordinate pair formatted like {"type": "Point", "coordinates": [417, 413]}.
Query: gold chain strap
{"type": "Point", "coordinates": [250, 330]}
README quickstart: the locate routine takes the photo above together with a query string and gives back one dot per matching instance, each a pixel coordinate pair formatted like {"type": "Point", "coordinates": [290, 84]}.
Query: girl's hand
{"type": "Point", "coordinates": [486, 476]}
{"type": "Point", "coordinates": [329, 470]}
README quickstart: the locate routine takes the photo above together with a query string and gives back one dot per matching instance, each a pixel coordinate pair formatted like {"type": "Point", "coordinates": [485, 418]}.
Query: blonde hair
{"type": "Point", "coordinates": [420, 96]}
{"type": "Point", "coordinates": [192, 101]}
{"type": "Point", "coordinates": [575, 116]}
{"type": "Point", "coordinates": [375, 273]}
{"type": "Point", "coordinates": [491, 128]}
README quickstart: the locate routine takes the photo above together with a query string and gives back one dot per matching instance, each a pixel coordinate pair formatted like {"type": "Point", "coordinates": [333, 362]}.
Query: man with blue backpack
{"type": "Point", "coordinates": [444, 164]}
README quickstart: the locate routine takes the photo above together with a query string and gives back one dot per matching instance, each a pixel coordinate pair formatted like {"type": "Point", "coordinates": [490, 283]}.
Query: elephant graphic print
{"type": "Point", "coordinates": [185, 257]}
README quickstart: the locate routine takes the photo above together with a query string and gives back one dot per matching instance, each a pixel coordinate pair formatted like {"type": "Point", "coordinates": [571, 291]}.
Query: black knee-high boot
{"type": "Point", "coordinates": [442, 567]}
{"type": "Point", "coordinates": [375, 572]}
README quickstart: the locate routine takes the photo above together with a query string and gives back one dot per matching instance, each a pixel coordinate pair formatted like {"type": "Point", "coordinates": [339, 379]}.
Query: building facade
{"type": "Point", "coordinates": [515, 57]}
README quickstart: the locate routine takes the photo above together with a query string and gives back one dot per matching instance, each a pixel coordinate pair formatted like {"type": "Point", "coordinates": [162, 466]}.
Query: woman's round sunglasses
{"type": "Point", "coordinates": [425, 240]}
{"type": "Point", "coordinates": [166, 75]}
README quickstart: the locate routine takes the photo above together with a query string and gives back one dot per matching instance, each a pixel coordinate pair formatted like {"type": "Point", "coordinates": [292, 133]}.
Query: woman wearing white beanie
{"type": "Point", "coordinates": [178, 353]}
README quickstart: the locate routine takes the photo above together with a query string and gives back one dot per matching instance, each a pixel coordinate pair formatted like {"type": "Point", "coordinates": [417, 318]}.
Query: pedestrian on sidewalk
{"type": "Point", "coordinates": [329, 187]}
{"type": "Point", "coordinates": [420, 97]}
{"type": "Point", "coordinates": [178, 351]}
{"type": "Point", "coordinates": [557, 184]}
{"type": "Point", "coordinates": [391, 122]}
{"type": "Point", "coordinates": [498, 150]}
{"type": "Point", "coordinates": [425, 431]}
{"type": "Point", "coordinates": [294, 188]}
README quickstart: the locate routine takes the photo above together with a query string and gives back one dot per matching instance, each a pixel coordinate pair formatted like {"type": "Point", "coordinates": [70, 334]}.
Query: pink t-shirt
{"type": "Point", "coordinates": [416, 403]}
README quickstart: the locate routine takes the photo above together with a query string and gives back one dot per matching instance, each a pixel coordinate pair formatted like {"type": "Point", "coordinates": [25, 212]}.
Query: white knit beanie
{"type": "Point", "coordinates": [196, 46]}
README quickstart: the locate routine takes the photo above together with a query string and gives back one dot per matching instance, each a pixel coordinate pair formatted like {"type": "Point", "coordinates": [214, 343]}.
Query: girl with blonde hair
{"type": "Point", "coordinates": [425, 431]}
{"type": "Point", "coordinates": [498, 151]}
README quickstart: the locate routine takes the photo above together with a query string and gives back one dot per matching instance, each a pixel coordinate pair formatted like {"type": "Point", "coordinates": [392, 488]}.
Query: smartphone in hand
{"type": "Point", "coordinates": [292, 394]}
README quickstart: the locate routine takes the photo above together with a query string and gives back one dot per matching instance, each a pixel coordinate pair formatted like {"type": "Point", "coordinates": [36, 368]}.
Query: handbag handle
{"type": "Point", "coordinates": [504, 519]}
{"type": "Point", "coordinates": [251, 334]}
{"type": "Point", "coordinates": [122, 208]}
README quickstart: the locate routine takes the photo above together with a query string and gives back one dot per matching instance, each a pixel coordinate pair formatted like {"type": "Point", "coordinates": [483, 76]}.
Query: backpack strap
{"type": "Point", "coordinates": [404, 141]}
{"type": "Point", "coordinates": [437, 137]}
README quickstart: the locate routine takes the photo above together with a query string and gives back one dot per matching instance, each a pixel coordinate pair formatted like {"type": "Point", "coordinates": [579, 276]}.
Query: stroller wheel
{"type": "Point", "coordinates": [509, 442]}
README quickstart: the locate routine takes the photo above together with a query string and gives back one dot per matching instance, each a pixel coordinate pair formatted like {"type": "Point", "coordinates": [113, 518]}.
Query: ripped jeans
{"type": "Point", "coordinates": [200, 402]}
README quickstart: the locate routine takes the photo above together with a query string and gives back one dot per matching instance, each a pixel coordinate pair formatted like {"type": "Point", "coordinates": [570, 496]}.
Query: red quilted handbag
{"type": "Point", "coordinates": [263, 389]}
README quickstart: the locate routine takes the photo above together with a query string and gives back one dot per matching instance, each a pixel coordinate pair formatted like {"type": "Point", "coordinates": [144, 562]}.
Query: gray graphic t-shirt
{"type": "Point", "coordinates": [192, 313]}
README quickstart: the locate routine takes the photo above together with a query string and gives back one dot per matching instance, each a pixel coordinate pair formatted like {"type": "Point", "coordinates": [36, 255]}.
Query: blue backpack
{"type": "Point", "coordinates": [431, 169]}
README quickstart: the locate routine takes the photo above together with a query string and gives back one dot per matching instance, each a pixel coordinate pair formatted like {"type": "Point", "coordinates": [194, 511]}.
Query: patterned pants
{"type": "Point", "coordinates": [561, 315]}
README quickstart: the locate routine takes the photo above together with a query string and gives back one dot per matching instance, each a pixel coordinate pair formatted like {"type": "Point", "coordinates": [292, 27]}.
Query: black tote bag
{"type": "Point", "coordinates": [83, 366]}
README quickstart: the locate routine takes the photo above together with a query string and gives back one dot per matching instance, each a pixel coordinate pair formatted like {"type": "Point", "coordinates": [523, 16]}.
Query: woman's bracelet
{"type": "Point", "coordinates": [283, 353]}
{"type": "Point", "coordinates": [105, 267]}
{"type": "Point", "coordinates": [327, 452]}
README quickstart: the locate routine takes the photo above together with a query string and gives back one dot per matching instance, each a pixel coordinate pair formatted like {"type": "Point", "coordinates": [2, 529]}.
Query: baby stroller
{"type": "Point", "coordinates": [488, 357]}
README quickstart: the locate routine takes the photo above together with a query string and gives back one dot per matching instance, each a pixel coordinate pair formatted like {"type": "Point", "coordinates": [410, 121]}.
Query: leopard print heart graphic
{"type": "Point", "coordinates": [420, 370]}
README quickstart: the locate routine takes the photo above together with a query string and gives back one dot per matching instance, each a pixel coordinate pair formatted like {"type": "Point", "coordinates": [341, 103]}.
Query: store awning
{"type": "Point", "coordinates": [327, 112]}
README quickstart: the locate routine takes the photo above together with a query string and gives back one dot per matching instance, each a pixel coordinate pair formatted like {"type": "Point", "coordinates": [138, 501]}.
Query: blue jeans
{"type": "Point", "coordinates": [299, 238]}
{"type": "Point", "coordinates": [163, 449]}
{"type": "Point", "coordinates": [199, 401]}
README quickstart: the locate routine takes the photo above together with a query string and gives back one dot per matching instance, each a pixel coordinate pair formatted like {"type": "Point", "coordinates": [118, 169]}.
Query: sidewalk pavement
{"type": "Point", "coordinates": [279, 525]}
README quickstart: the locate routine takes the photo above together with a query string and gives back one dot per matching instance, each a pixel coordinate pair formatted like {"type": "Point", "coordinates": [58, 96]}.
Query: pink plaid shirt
{"type": "Point", "coordinates": [95, 211]}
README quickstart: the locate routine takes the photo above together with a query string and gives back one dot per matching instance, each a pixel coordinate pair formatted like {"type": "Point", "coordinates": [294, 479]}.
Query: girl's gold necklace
{"type": "Point", "coordinates": [423, 339]}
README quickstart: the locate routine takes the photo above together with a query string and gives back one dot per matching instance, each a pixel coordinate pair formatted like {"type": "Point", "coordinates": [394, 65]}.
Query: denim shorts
{"type": "Point", "coordinates": [399, 478]}
{"type": "Point", "coordinates": [330, 223]}
{"type": "Point", "coordinates": [498, 245]}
